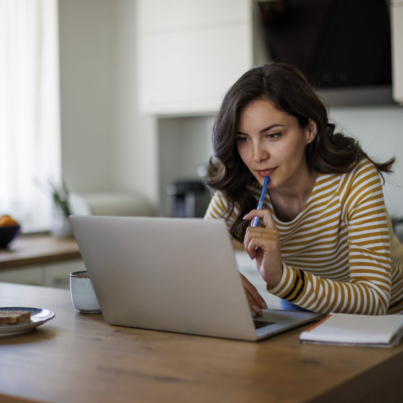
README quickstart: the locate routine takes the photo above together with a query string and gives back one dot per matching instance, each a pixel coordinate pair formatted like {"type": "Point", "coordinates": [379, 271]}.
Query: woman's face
{"type": "Point", "coordinates": [271, 143]}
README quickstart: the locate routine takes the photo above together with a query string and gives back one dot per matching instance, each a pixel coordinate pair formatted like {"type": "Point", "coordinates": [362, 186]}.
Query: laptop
{"type": "Point", "coordinates": [172, 274]}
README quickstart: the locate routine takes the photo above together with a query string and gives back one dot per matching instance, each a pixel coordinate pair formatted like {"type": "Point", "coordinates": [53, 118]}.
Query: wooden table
{"type": "Point", "coordinates": [29, 250]}
{"type": "Point", "coordinates": [79, 358]}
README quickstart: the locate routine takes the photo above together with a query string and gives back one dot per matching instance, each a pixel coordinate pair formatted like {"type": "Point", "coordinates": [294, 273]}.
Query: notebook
{"type": "Point", "coordinates": [363, 330]}
{"type": "Point", "coordinates": [172, 274]}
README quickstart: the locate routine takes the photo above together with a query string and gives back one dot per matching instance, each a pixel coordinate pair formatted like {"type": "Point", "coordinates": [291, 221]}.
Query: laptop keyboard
{"type": "Point", "coordinates": [261, 323]}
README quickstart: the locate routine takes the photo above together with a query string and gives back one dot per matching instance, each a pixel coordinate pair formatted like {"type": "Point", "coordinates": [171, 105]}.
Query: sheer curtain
{"type": "Point", "coordinates": [29, 109]}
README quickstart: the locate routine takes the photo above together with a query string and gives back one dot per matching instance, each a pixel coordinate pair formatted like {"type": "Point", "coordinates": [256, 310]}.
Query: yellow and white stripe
{"type": "Point", "coordinates": [339, 254]}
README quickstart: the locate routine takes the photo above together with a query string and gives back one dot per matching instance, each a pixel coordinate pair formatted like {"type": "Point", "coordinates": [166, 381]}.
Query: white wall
{"type": "Point", "coordinates": [106, 144]}
{"type": "Point", "coordinates": [87, 37]}
{"type": "Point", "coordinates": [136, 148]}
{"type": "Point", "coordinates": [380, 132]}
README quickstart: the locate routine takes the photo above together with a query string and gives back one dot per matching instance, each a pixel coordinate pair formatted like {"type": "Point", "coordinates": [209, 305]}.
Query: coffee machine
{"type": "Point", "coordinates": [188, 198]}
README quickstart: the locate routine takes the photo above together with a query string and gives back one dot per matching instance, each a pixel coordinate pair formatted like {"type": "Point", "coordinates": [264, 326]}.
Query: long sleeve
{"type": "Point", "coordinates": [364, 220]}
{"type": "Point", "coordinates": [217, 210]}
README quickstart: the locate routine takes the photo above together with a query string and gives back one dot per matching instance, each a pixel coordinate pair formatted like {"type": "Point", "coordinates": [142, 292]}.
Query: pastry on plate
{"type": "Point", "coordinates": [14, 317]}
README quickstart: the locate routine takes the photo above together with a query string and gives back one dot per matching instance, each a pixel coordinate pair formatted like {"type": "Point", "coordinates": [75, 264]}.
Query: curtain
{"type": "Point", "coordinates": [29, 109]}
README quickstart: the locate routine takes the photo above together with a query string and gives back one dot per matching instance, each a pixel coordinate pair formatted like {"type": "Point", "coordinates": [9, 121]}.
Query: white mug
{"type": "Point", "coordinates": [82, 293]}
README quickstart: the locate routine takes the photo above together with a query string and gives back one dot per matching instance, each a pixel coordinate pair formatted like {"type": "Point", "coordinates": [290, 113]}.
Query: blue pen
{"type": "Point", "coordinates": [255, 221]}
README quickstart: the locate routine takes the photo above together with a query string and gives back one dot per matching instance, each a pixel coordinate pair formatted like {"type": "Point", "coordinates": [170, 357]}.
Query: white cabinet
{"type": "Point", "coordinates": [397, 49]}
{"type": "Point", "coordinates": [34, 275]}
{"type": "Point", "coordinates": [56, 275]}
{"type": "Point", "coordinates": [159, 16]}
{"type": "Point", "coordinates": [190, 53]}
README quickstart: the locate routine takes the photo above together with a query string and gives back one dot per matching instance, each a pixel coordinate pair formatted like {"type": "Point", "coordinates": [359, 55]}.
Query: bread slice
{"type": "Point", "coordinates": [14, 317]}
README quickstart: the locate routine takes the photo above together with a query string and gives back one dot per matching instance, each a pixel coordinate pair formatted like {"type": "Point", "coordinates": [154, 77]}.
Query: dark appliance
{"type": "Point", "coordinates": [338, 44]}
{"type": "Point", "coordinates": [189, 198]}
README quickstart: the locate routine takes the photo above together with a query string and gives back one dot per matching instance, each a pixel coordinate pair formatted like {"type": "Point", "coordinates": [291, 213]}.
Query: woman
{"type": "Point", "coordinates": [327, 243]}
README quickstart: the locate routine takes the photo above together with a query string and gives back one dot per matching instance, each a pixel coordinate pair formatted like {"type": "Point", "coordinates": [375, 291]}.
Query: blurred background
{"type": "Point", "coordinates": [119, 97]}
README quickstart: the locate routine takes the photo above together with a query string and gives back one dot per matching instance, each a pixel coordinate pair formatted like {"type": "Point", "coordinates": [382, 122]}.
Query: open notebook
{"type": "Point", "coordinates": [365, 330]}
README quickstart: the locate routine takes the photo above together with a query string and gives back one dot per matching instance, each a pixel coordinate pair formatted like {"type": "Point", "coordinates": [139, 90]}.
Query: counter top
{"type": "Point", "coordinates": [29, 250]}
{"type": "Point", "coordinates": [80, 358]}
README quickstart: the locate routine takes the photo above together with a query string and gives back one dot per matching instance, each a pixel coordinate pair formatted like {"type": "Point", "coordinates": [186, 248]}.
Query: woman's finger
{"type": "Point", "coordinates": [267, 242]}
{"type": "Point", "coordinates": [267, 251]}
{"type": "Point", "coordinates": [253, 305]}
{"type": "Point", "coordinates": [251, 232]}
{"type": "Point", "coordinates": [264, 215]}
{"type": "Point", "coordinates": [256, 298]}
{"type": "Point", "coordinates": [259, 237]}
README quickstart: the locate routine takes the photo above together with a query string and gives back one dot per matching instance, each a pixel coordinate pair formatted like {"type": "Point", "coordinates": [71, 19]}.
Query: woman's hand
{"type": "Point", "coordinates": [255, 300]}
{"type": "Point", "coordinates": [264, 245]}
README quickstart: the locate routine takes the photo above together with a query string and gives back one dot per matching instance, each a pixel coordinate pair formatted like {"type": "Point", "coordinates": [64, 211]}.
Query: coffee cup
{"type": "Point", "coordinates": [82, 293]}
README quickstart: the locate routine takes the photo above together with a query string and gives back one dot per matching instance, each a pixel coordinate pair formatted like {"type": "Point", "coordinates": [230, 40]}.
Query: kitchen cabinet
{"type": "Point", "coordinates": [164, 15]}
{"type": "Point", "coordinates": [33, 275]}
{"type": "Point", "coordinates": [190, 53]}
{"type": "Point", "coordinates": [56, 275]}
{"type": "Point", "coordinates": [397, 49]}
{"type": "Point", "coordinates": [40, 260]}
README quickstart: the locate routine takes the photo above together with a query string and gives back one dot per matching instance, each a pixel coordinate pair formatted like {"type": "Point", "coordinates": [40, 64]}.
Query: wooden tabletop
{"type": "Point", "coordinates": [31, 250]}
{"type": "Point", "coordinates": [79, 358]}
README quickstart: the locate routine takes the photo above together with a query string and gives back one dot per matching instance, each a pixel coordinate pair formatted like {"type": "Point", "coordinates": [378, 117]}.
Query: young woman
{"type": "Point", "coordinates": [327, 243]}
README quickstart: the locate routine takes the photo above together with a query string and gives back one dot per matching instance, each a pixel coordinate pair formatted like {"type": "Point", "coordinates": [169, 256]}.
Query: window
{"type": "Point", "coordinates": [29, 109]}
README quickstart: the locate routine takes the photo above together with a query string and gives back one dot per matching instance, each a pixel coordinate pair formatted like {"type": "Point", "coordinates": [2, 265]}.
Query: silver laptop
{"type": "Point", "coordinates": [175, 275]}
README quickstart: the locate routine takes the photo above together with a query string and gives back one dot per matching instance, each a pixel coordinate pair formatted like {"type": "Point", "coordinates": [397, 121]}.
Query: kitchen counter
{"type": "Point", "coordinates": [29, 250]}
{"type": "Point", "coordinates": [79, 358]}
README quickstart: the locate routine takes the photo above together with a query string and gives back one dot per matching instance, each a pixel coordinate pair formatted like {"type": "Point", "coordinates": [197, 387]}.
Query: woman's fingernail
{"type": "Point", "coordinates": [255, 308]}
{"type": "Point", "coordinates": [263, 304]}
{"type": "Point", "coordinates": [245, 216]}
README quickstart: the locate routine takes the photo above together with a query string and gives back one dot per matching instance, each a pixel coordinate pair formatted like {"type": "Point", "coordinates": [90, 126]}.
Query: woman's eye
{"type": "Point", "coordinates": [274, 136]}
{"type": "Point", "coordinates": [241, 140]}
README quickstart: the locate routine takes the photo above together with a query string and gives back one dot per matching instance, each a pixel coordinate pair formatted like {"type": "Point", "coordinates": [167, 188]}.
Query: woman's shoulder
{"type": "Point", "coordinates": [218, 208]}
{"type": "Point", "coordinates": [218, 203]}
{"type": "Point", "coordinates": [363, 174]}
{"type": "Point", "coordinates": [360, 169]}
{"type": "Point", "coordinates": [219, 197]}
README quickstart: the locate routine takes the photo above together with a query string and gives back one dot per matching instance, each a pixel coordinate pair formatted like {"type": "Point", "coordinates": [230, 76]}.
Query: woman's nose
{"type": "Point", "coordinates": [259, 153]}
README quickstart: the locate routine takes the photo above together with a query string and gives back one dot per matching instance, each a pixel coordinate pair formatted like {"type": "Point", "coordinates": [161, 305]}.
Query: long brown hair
{"type": "Point", "coordinates": [289, 91]}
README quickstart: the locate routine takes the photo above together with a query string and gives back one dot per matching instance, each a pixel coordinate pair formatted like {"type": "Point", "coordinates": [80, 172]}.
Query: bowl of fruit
{"type": "Point", "coordinates": [9, 230]}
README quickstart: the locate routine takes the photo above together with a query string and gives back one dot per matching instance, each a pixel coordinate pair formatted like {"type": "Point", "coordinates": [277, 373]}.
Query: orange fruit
{"type": "Point", "coordinates": [7, 221]}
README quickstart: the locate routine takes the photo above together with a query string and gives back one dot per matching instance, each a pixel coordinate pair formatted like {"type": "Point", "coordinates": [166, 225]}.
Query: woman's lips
{"type": "Point", "coordinates": [266, 172]}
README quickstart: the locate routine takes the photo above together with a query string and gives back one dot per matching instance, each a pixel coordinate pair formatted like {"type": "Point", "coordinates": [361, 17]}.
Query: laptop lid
{"type": "Point", "coordinates": [168, 274]}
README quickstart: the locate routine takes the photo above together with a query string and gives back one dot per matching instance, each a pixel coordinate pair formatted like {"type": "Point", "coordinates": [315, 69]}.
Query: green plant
{"type": "Point", "coordinates": [60, 195]}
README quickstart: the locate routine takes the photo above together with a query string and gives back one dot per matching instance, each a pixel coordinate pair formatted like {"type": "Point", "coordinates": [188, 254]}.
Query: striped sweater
{"type": "Point", "coordinates": [340, 253]}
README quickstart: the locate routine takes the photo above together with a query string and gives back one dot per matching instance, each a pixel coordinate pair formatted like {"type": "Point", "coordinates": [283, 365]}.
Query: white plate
{"type": "Point", "coordinates": [38, 317]}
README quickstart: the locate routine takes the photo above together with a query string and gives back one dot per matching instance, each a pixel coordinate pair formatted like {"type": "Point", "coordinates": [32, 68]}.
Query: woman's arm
{"type": "Point", "coordinates": [368, 291]}
{"type": "Point", "coordinates": [216, 211]}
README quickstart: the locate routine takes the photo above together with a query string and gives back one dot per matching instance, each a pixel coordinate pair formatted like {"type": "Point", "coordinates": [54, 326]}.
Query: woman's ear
{"type": "Point", "coordinates": [311, 131]}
